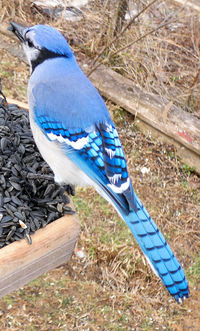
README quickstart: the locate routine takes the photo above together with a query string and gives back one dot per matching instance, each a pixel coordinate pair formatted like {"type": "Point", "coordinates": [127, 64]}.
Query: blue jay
{"type": "Point", "coordinates": [76, 136]}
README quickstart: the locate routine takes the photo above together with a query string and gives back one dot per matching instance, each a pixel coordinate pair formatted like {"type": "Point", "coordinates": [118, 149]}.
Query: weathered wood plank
{"type": "Point", "coordinates": [20, 104]}
{"type": "Point", "coordinates": [51, 246]}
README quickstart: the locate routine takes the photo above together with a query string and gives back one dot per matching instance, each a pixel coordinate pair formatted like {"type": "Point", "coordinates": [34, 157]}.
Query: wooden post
{"type": "Point", "coordinates": [122, 9]}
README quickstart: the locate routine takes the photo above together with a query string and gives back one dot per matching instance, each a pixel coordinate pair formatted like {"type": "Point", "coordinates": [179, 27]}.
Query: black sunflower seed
{"type": "Point", "coordinates": [16, 201]}
{"type": "Point", "coordinates": [11, 232]}
{"type": "Point", "coordinates": [3, 144]}
{"type": "Point", "coordinates": [37, 223]}
{"type": "Point", "coordinates": [7, 224]}
{"type": "Point", "coordinates": [6, 218]}
{"type": "Point", "coordinates": [15, 185]}
{"type": "Point", "coordinates": [32, 226]}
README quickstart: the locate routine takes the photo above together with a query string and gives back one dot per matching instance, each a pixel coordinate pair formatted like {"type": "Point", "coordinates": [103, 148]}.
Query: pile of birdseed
{"type": "Point", "coordinates": [29, 197]}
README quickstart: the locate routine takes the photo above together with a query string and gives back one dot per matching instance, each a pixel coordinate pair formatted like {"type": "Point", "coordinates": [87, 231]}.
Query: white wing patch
{"type": "Point", "coordinates": [79, 144]}
{"type": "Point", "coordinates": [119, 189]}
{"type": "Point", "coordinates": [114, 178]}
{"type": "Point", "coordinates": [110, 152]}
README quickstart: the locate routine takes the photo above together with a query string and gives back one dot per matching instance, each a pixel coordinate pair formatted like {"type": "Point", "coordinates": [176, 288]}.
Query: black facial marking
{"type": "Point", "coordinates": [30, 44]}
{"type": "Point", "coordinates": [44, 54]}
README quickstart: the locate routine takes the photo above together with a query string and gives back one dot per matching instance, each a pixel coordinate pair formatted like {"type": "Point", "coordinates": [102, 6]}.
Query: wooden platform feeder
{"type": "Point", "coordinates": [51, 246]}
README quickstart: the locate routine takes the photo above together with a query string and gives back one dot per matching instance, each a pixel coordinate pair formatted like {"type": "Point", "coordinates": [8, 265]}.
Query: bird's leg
{"type": "Point", "coordinates": [69, 188]}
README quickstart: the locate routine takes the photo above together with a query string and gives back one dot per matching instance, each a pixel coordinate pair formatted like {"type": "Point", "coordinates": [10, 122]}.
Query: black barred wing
{"type": "Point", "coordinates": [115, 164]}
{"type": "Point", "coordinates": [98, 152]}
{"type": "Point", "coordinates": [55, 130]}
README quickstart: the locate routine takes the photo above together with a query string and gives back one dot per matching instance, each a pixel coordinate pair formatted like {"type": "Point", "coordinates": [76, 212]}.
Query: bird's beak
{"type": "Point", "coordinates": [18, 29]}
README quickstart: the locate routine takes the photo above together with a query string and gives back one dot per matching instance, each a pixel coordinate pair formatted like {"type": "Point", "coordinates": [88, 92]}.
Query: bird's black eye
{"type": "Point", "coordinates": [30, 44]}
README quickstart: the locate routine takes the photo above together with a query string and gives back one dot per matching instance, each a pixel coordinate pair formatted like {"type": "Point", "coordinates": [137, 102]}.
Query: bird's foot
{"type": "Point", "coordinates": [69, 188]}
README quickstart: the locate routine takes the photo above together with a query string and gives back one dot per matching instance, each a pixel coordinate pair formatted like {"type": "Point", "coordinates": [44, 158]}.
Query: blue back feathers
{"type": "Point", "coordinates": [77, 105]}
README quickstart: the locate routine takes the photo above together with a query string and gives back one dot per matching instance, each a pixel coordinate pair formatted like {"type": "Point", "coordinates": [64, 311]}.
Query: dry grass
{"type": "Point", "coordinates": [112, 288]}
{"type": "Point", "coordinates": [165, 62]}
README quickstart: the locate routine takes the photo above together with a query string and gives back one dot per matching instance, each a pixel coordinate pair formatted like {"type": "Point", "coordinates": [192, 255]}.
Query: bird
{"type": "Point", "coordinates": [76, 136]}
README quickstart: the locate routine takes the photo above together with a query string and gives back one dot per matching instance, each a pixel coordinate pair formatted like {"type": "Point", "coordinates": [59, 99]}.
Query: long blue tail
{"type": "Point", "coordinates": [146, 232]}
{"type": "Point", "coordinates": [157, 251]}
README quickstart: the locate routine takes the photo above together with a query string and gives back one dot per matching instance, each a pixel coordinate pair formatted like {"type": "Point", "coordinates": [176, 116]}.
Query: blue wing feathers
{"type": "Point", "coordinates": [56, 128]}
{"type": "Point", "coordinates": [115, 163]}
